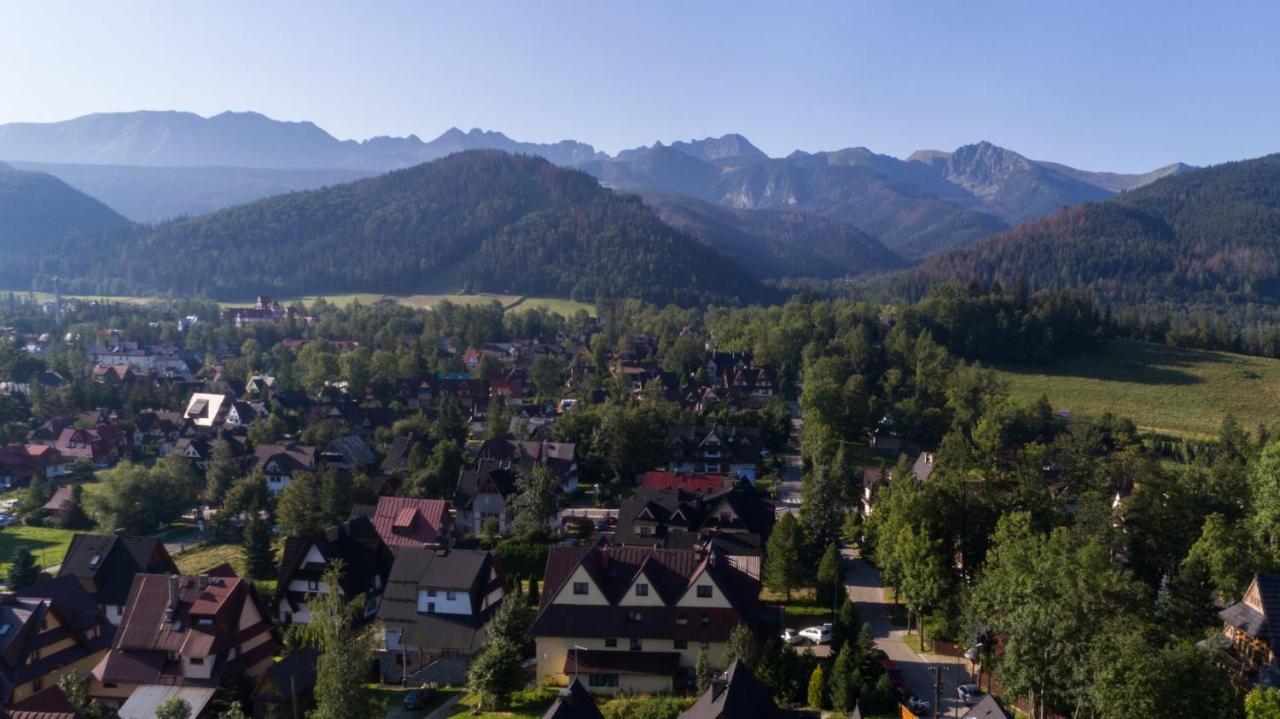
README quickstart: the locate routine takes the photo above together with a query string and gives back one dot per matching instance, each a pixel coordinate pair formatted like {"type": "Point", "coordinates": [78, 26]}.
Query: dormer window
{"type": "Point", "coordinates": [95, 560]}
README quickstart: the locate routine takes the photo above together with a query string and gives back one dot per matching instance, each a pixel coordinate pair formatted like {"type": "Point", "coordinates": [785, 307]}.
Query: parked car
{"type": "Point", "coordinates": [817, 635]}
{"type": "Point", "coordinates": [790, 636]}
{"type": "Point", "coordinates": [916, 705]}
{"type": "Point", "coordinates": [418, 698]}
{"type": "Point", "coordinates": [892, 671]}
{"type": "Point", "coordinates": [970, 694]}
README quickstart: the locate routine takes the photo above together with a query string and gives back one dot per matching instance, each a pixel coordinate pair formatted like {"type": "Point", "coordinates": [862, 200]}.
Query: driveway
{"type": "Point", "coordinates": [862, 581]}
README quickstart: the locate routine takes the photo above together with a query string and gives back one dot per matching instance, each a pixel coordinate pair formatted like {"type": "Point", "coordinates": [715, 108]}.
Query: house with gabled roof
{"type": "Point", "coordinates": [735, 521]}
{"type": "Point", "coordinates": [208, 410]}
{"type": "Point", "coordinates": [635, 618]}
{"type": "Point", "coordinates": [1252, 625]}
{"type": "Point", "coordinates": [366, 564]}
{"type": "Point", "coordinates": [436, 604]}
{"type": "Point", "coordinates": [183, 635]}
{"type": "Point", "coordinates": [732, 451]}
{"type": "Point", "coordinates": [105, 564]}
{"type": "Point", "coordinates": [279, 462]}
{"type": "Point", "coordinates": [482, 494]}
{"type": "Point", "coordinates": [20, 463]}
{"type": "Point", "coordinates": [48, 630]}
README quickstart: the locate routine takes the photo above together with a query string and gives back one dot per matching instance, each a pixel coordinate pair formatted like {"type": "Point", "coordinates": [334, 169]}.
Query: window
{"type": "Point", "coordinates": [431, 593]}
{"type": "Point", "coordinates": [313, 585]}
{"type": "Point", "coordinates": [704, 591]}
{"type": "Point", "coordinates": [706, 645]}
{"type": "Point", "coordinates": [580, 588]}
{"type": "Point", "coordinates": [451, 596]}
{"type": "Point", "coordinates": [431, 607]}
{"type": "Point", "coordinates": [635, 645]}
{"type": "Point", "coordinates": [610, 643]}
{"type": "Point", "coordinates": [642, 590]}
{"type": "Point", "coordinates": [704, 620]}
{"type": "Point", "coordinates": [681, 644]}
{"type": "Point", "coordinates": [681, 620]}
{"type": "Point", "coordinates": [36, 684]}
{"type": "Point", "coordinates": [602, 680]}
{"type": "Point", "coordinates": [634, 617]}
{"type": "Point", "coordinates": [197, 661]}
{"type": "Point", "coordinates": [109, 685]}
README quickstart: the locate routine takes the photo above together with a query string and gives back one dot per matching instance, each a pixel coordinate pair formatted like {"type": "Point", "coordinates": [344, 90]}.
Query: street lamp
{"type": "Point", "coordinates": [575, 660]}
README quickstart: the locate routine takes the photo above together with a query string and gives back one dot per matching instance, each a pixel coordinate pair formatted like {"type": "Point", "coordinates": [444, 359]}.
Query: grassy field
{"type": "Point", "coordinates": [527, 704]}
{"type": "Point", "coordinates": [509, 302]}
{"type": "Point", "coordinates": [48, 544]}
{"type": "Point", "coordinates": [1162, 389]}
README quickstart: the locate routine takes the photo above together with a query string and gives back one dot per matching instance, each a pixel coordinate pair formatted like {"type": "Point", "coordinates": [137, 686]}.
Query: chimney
{"type": "Point", "coordinates": [173, 591]}
{"type": "Point", "coordinates": [204, 581]}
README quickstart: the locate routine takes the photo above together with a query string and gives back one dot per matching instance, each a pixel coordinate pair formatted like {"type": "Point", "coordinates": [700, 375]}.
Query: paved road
{"type": "Point", "coordinates": [789, 487]}
{"type": "Point", "coordinates": [863, 584]}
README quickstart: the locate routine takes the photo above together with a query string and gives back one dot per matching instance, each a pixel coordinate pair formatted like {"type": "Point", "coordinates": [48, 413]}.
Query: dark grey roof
{"type": "Point", "coordinates": [575, 702]}
{"type": "Point", "coordinates": [111, 562]}
{"type": "Point", "coordinates": [355, 542]}
{"type": "Point", "coordinates": [736, 695]}
{"type": "Point", "coordinates": [467, 571]}
{"type": "Point", "coordinates": [489, 475]}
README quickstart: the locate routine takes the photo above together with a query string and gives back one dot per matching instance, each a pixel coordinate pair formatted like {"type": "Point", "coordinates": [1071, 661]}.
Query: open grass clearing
{"type": "Point", "coordinates": [1164, 390]}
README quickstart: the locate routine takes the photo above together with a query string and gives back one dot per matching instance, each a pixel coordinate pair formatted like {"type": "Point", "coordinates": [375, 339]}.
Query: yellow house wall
{"type": "Point", "coordinates": [22, 691]}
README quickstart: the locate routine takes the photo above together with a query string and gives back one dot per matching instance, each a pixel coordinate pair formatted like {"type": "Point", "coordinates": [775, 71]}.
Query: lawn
{"type": "Point", "coordinates": [48, 544]}
{"type": "Point", "coordinates": [201, 558]}
{"type": "Point", "coordinates": [1164, 390]}
{"type": "Point", "coordinates": [527, 704]}
{"type": "Point", "coordinates": [392, 699]}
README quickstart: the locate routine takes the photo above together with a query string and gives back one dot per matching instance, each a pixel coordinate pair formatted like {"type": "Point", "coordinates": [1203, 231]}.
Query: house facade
{"type": "Point", "coordinates": [366, 564]}
{"type": "Point", "coordinates": [633, 619]}
{"type": "Point", "coordinates": [436, 604]}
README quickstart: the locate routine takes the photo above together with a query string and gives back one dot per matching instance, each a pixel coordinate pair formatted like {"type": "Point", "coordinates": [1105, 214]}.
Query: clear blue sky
{"type": "Point", "coordinates": [1102, 85]}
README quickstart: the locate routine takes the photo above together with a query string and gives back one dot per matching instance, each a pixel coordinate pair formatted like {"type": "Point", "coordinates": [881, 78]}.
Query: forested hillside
{"type": "Point", "coordinates": [482, 220]}
{"type": "Point", "coordinates": [36, 209]}
{"type": "Point", "coordinates": [1212, 235]}
{"type": "Point", "coordinates": [777, 244]}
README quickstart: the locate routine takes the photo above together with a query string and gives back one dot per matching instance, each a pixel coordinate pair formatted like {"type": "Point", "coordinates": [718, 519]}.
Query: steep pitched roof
{"type": "Point", "coordinates": [467, 571]}
{"type": "Point", "coordinates": [355, 542]}
{"type": "Point", "coordinates": [112, 561]}
{"type": "Point", "coordinates": [574, 702]}
{"type": "Point", "coordinates": [489, 476]}
{"type": "Point", "coordinates": [735, 695]}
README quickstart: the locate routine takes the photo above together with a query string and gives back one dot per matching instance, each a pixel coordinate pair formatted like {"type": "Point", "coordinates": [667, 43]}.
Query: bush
{"type": "Point", "coordinates": [645, 707]}
{"type": "Point", "coordinates": [521, 557]}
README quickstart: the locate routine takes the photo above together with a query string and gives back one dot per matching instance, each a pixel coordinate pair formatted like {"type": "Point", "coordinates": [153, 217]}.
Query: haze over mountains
{"type": "Point", "coordinates": [713, 217]}
{"type": "Point", "coordinates": [928, 202]}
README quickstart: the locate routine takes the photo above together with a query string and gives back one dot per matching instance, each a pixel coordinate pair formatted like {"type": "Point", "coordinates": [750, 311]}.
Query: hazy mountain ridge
{"type": "Point", "coordinates": [482, 220]}
{"type": "Point", "coordinates": [37, 209]}
{"type": "Point", "coordinates": [776, 244]}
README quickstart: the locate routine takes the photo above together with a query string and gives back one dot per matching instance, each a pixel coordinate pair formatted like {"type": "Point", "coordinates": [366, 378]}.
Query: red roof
{"type": "Point", "coordinates": [699, 483]}
{"type": "Point", "coordinates": [410, 521]}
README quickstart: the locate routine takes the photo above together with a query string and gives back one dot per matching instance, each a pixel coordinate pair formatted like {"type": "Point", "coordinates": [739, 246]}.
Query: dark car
{"type": "Point", "coordinates": [418, 698]}
{"type": "Point", "coordinates": [892, 671]}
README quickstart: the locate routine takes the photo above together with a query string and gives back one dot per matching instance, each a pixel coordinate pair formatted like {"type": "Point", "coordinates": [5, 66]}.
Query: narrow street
{"type": "Point", "coordinates": [862, 582]}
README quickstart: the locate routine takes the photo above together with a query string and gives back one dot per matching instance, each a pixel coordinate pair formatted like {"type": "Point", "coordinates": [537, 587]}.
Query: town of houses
{"type": "Point", "coordinates": [634, 581]}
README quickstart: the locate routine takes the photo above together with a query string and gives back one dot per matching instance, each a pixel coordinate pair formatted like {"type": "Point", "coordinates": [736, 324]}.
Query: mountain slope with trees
{"type": "Point", "coordinates": [482, 220]}
{"type": "Point", "coordinates": [1210, 235]}
{"type": "Point", "coordinates": [777, 244]}
{"type": "Point", "coordinates": [36, 209]}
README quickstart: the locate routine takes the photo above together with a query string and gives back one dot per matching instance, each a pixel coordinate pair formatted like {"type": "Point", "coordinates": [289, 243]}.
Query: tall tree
{"type": "Point", "coordinates": [174, 708]}
{"type": "Point", "coordinates": [344, 650]}
{"type": "Point", "coordinates": [830, 583]}
{"type": "Point", "coordinates": [298, 508]}
{"type": "Point", "coordinates": [536, 499]}
{"type": "Point", "coordinates": [494, 675]}
{"type": "Point", "coordinates": [23, 571]}
{"type": "Point", "coordinates": [783, 570]}
{"type": "Point", "coordinates": [221, 472]}
{"type": "Point", "coordinates": [259, 563]}
{"type": "Point", "coordinates": [702, 670]}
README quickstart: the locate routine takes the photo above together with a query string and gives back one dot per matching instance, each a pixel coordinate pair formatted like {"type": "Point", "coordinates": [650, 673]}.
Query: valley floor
{"type": "Point", "coordinates": [1164, 390]}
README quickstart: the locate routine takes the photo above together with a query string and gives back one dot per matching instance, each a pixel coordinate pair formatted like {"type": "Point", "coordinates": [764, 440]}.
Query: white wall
{"type": "Point", "coordinates": [460, 604]}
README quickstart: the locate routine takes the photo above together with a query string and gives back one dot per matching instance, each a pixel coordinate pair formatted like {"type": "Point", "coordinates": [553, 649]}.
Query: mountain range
{"type": "Point", "coordinates": [927, 203]}
{"type": "Point", "coordinates": [477, 220]}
